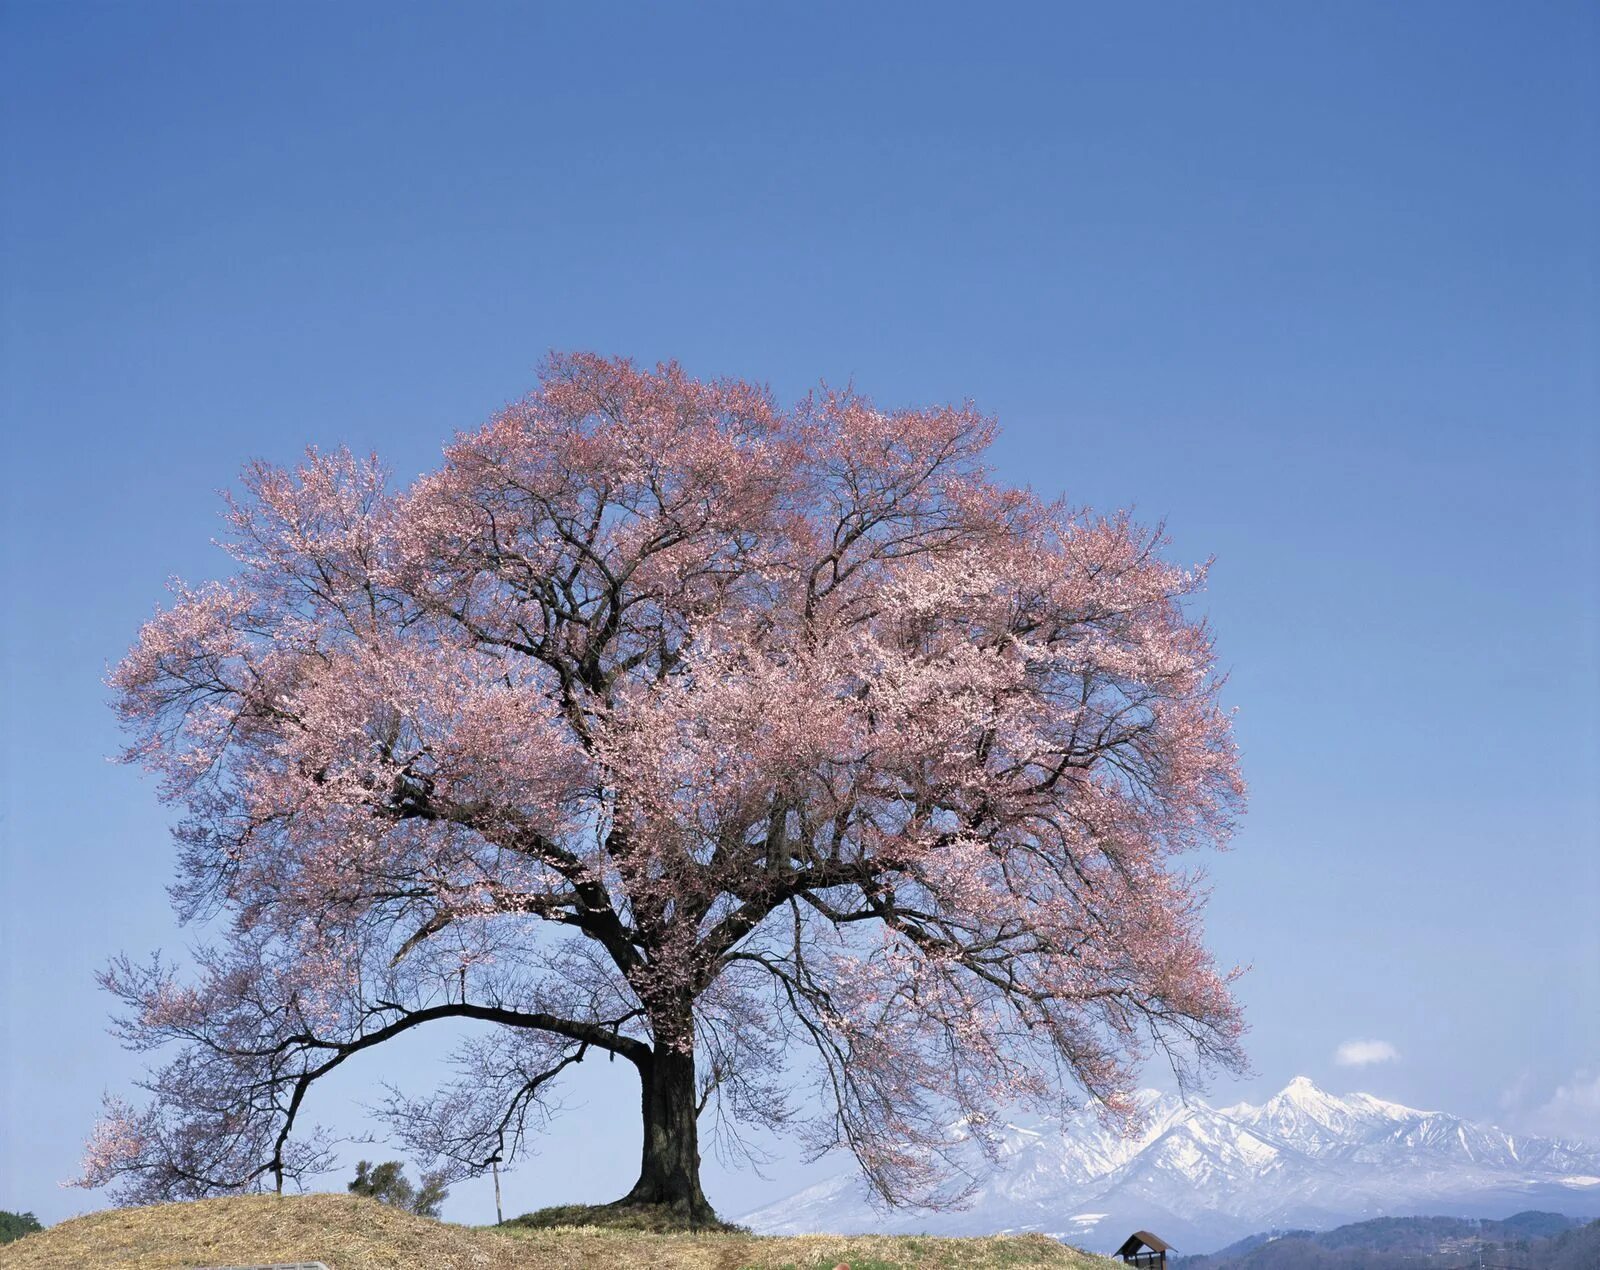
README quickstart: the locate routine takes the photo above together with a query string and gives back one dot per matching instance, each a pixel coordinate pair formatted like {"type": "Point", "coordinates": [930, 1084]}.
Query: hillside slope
{"type": "Point", "coordinates": [349, 1233]}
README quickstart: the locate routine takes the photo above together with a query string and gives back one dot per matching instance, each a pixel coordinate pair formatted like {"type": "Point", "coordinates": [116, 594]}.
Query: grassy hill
{"type": "Point", "coordinates": [349, 1233]}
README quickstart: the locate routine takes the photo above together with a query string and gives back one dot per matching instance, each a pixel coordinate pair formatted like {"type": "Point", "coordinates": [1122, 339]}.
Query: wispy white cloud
{"type": "Point", "coordinates": [1571, 1111]}
{"type": "Point", "coordinates": [1364, 1053]}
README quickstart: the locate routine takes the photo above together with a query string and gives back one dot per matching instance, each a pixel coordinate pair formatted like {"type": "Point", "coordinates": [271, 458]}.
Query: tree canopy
{"type": "Point", "coordinates": [387, 1183]}
{"type": "Point", "coordinates": [14, 1226]}
{"type": "Point", "coordinates": [663, 723]}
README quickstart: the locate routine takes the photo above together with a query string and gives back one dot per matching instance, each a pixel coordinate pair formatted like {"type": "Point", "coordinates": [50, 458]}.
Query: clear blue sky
{"type": "Point", "coordinates": [1316, 283]}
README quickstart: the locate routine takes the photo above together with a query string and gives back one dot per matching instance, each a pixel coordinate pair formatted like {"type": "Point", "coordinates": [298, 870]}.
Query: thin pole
{"type": "Point", "coordinates": [499, 1217]}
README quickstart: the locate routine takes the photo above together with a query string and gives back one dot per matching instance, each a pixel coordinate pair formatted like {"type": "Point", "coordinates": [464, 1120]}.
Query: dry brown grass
{"type": "Point", "coordinates": [348, 1233]}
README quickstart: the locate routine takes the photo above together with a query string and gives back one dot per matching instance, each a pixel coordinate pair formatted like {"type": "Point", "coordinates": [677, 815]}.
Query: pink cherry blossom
{"type": "Point", "coordinates": [660, 722]}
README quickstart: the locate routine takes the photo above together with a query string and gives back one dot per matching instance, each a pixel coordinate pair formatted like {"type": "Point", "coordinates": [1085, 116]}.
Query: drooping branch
{"type": "Point", "coordinates": [600, 1035]}
{"type": "Point", "coordinates": [483, 1119]}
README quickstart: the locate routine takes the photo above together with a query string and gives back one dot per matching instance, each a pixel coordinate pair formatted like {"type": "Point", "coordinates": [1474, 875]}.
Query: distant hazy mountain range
{"type": "Point", "coordinates": [1548, 1241]}
{"type": "Point", "coordinates": [1202, 1177]}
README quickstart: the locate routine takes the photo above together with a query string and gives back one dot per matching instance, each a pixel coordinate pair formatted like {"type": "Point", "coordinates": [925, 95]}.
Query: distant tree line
{"type": "Point", "coordinates": [16, 1225]}
{"type": "Point", "coordinates": [387, 1183]}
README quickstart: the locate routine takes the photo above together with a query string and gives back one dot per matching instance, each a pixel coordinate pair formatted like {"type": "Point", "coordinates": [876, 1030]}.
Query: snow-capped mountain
{"type": "Point", "coordinates": [1201, 1176]}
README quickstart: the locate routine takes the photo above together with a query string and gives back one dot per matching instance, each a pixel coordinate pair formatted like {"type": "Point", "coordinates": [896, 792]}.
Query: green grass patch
{"type": "Point", "coordinates": [648, 1219]}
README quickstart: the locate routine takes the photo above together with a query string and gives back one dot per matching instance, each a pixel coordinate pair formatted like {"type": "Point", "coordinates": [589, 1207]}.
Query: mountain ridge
{"type": "Point", "coordinates": [1415, 1243]}
{"type": "Point", "coordinates": [1203, 1177]}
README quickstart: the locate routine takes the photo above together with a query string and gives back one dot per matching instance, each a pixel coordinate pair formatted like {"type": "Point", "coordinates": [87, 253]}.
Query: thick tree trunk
{"type": "Point", "coordinates": [669, 1166]}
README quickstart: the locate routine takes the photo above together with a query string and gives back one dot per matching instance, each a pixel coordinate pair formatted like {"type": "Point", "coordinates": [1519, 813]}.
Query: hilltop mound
{"type": "Point", "coordinates": [349, 1233]}
{"type": "Point", "coordinates": [345, 1231]}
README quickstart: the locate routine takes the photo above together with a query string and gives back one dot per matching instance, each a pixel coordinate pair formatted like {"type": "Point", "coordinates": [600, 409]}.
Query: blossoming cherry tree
{"type": "Point", "coordinates": [661, 723]}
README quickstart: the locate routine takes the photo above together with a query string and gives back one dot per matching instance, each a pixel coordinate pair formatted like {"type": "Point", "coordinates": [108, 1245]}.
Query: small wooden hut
{"type": "Point", "coordinates": [1144, 1249]}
